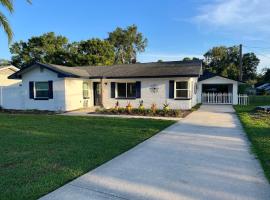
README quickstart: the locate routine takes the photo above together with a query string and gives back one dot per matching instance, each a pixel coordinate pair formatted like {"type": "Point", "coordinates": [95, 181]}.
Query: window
{"type": "Point", "coordinates": [85, 90]}
{"type": "Point", "coordinates": [42, 90]}
{"type": "Point", "coordinates": [181, 90]}
{"type": "Point", "coordinates": [126, 90]}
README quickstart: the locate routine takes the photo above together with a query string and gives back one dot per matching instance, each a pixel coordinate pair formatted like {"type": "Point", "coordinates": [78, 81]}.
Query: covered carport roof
{"type": "Point", "coordinates": [207, 75]}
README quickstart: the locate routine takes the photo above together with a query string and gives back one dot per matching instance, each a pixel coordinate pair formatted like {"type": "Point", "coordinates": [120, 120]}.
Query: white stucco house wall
{"type": "Point", "coordinates": [61, 88]}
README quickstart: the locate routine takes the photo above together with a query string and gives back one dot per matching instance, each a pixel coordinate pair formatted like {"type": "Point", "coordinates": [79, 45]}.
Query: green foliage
{"type": "Point", "coordinates": [47, 48]}
{"type": "Point", "coordinates": [190, 59]}
{"type": "Point", "coordinates": [40, 153]}
{"type": "Point", "coordinates": [257, 127]}
{"type": "Point", "coordinates": [127, 43]}
{"type": "Point", "coordinates": [145, 112]}
{"type": "Point", "coordinates": [50, 48]}
{"type": "Point", "coordinates": [8, 4]}
{"type": "Point", "coordinates": [243, 88]}
{"type": "Point", "coordinates": [4, 62]}
{"type": "Point", "coordinates": [250, 63]}
{"type": "Point", "coordinates": [95, 52]}
{"type": "Point", "coordinates": [266, 75]}
{"type": "Point", "coordinates": [122, 46]}
{"type": "Point", "coordinates": [259, 100]}
{"type": "Point", "coordinates": [225, 61]}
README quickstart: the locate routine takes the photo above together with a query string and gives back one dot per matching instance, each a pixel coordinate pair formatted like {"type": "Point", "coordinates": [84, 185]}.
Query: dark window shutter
{"type": "Point", "coordinates": [31, 90]}
{"type": "Point", "coordinates": [138, 89]}
{"type": "Point", "coordinates": [171, 89]}
{"type": "Point", "coordinates": [50, 90]}
{"type": "Point", "coordinates": [112, 89]}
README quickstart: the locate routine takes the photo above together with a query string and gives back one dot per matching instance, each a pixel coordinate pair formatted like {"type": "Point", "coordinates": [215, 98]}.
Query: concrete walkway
{"type": "Point", "coordinates": [204, 156]}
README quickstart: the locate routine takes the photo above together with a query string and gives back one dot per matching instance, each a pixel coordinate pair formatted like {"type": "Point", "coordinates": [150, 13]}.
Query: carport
{"type": "Point", "coordinates": [215, 89]}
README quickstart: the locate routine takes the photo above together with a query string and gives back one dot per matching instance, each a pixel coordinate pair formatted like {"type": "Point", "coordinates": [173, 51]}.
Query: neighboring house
{"type": "Point", "coordinates": [263, 89]}
{"type": "Point", "coordinates": [5, 72]}
{"type": "Point", "coordinates": [54, 87]}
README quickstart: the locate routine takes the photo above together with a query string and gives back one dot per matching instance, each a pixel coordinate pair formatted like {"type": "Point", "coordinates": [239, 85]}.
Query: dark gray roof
{"type": "Point", "coordinates": [207, 74]}
{"type": "Point", "coordinates": [138, 70]}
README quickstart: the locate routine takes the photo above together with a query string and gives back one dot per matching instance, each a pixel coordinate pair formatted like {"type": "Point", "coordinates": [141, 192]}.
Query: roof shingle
{"type": "Point", "coordinates": [138, 70]}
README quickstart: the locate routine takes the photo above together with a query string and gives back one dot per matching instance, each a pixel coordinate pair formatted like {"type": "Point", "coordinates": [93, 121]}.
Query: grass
{"type": "Point", "coordinates": [257, 127]}
{"type": "Point", "coordinates": [39, 153]}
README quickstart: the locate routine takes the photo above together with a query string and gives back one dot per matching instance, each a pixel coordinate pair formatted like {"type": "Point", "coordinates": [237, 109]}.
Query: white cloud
{"type": "Point", "coordinates": [264, 62]}
{"type": "Point", "coordinates": [248, 16]}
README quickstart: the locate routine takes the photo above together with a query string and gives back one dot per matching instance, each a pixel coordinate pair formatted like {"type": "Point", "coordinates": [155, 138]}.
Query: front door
{"type": "Point", "coordinates": [97, 94]}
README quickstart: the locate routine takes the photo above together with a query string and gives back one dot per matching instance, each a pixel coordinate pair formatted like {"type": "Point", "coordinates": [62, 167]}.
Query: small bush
{"type": "Point", "coordinates": [144, 112]}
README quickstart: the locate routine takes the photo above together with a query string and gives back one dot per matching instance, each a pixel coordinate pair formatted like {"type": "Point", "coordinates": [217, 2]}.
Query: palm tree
{"type": "Point", "coordinates": [8, 4]}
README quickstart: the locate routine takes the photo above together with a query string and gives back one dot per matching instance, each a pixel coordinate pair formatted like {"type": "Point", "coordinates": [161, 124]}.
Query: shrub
{"type": "Point", "coordinates": [143, 112]}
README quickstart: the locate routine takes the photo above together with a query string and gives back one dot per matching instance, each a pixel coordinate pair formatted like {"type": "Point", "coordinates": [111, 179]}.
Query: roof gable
{"type": "Point", "coordinates": [208, 75]}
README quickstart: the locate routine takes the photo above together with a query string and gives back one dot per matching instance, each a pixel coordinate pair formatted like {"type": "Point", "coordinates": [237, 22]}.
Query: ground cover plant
{"type": "Point", "coordinates": [257, 126]}
{"type": "Point", "coordinates": [41, 152]}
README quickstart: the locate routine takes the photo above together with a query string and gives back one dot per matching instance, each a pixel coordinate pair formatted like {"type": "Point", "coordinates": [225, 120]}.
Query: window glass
{"type": "Point", "coordinates": [121, 90]}
{"type": "Point", "coordinates": [181, 90]}
{"type": "Point", "coordinates": [182, 93]}
{"type": "Point", "coordinates": [85, 90]}
{"type": "Point", "coordinates": [131, 90]}
{"type": "Point", "coordinates": [182, 85]}
{"type": "Point", "coordinates": [41, 89]}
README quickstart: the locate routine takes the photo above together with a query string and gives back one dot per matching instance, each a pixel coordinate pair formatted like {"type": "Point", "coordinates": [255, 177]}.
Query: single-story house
{"type": "Point", "coordinates": [60, 88]}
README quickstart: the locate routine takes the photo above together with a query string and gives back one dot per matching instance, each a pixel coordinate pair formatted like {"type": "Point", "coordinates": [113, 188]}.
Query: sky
{"type": "Point", "coordinates": [174, 28]}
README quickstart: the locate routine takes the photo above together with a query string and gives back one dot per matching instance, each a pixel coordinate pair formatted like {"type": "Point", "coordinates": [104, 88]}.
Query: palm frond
{"type": "Point", "coordinates": [6, 26]}
{"type": "Point", "coordinates": [7, 4]}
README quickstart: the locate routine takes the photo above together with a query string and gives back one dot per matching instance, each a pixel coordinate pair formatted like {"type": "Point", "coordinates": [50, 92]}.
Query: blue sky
{"type": "Point", "coordinates": [174, 28]}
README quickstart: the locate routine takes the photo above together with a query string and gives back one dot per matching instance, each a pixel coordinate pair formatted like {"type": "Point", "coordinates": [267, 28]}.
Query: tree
{"type": "Point", "coordinates": [127, 44]}
{"type": "Point", "coordinates": [95, 52]}
{"type": "Point", "coordinates": [225, 61]}
{"type": "Point", "coordinates": [250, 63]}
{"type": "Point", "coordinates": [4, 62]}
{"type": "Point", "coordinates": [7, 4]}
{"type": "Point", "coordinates": [266, 75]}
{"type": "Point", "coordinates": [190, 59]}
{"type": "Point", "coordinates": [47, 48]}
{"type": "Point", "coordinates": [53, 49]}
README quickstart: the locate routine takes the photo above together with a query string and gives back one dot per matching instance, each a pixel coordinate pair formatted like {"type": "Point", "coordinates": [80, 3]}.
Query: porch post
{"type": "Point", "coordinates": [235, 94]}
{"type": "Point", "coordinates": [101, 92]}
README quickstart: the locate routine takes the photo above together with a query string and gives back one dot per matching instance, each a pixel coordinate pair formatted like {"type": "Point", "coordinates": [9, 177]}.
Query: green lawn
{"type": "Point", "coordinates": [39, 153]}
{"type": "Point", "coordinates": [257, 127]}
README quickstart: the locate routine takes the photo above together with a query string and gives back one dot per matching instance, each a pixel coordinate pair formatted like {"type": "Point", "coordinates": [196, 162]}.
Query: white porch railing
{"type": "Point", "coordinates": [243, 99]}
{"type": "Point", "coordinates": [217, 98]}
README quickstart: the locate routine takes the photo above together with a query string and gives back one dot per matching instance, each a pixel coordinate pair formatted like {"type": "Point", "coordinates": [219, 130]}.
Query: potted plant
{"type": "Point", "coordinates": [129, 107]}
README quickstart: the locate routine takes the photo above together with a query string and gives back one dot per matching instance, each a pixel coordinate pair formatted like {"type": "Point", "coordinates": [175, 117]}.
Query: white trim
{"type": "Point", "coordinates": [188, 90]}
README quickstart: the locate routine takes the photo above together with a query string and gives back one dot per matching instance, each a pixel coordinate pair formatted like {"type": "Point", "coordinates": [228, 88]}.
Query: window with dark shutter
{"type": "Point", "coordinates": [50, 90]}
{"type": "Point", "coordinates": [112, 89]}
{"type": "Point", "coordinates": [31, 90]}
{"type": "Point", "coordinates": [171, 89]}
{"type": "Point", "coordinates": [138, 89]}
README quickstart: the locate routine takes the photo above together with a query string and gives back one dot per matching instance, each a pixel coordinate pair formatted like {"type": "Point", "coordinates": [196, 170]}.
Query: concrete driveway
{"type": "Point", "coordinates": [204, 156]}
